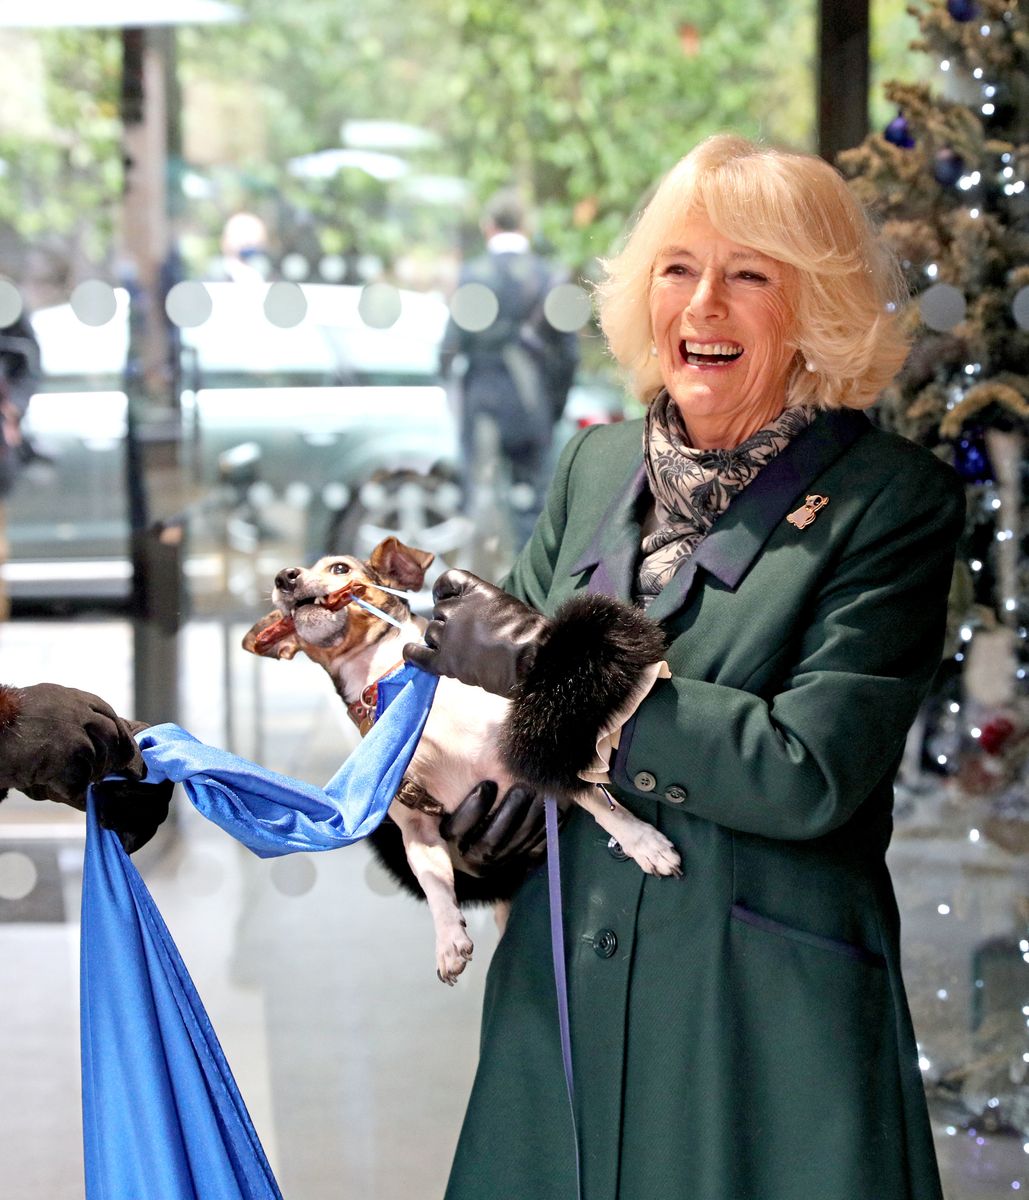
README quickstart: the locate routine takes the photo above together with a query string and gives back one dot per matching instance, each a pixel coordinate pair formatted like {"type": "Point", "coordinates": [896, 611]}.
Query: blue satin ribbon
{"type": "Point", "coordinates": [162, 1116]}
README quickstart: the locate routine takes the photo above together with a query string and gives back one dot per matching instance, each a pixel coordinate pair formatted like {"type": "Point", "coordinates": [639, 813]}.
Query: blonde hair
{"type": "Point", "coordinates": [847, 288]}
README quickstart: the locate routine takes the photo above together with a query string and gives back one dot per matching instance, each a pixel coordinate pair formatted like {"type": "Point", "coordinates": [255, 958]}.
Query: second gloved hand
{"type": "Point", "coordinates": [479, 634]}
{"type": "Point", "coordinates": [55, 741]}
{"type": "Point", "coordinates": [133, 809]}
{"type": "Point", "coordinates": [488, 831]}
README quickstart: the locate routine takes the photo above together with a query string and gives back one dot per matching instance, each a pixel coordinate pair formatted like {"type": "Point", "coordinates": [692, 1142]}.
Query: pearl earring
{"type": "Point", "coordinates": [653, 350]}
{"type": "Point", "coordinates": [810, 366]}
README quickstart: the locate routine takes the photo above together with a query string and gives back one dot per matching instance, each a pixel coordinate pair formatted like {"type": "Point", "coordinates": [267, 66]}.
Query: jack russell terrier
{"type": "Point", "coordinates": [321, 612]}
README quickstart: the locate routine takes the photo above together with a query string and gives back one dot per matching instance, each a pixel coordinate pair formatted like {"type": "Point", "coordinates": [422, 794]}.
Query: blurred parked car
{"type": "Point", "coordinates": [345, 422]}
{"type": "Point", "coordinates": [67, 519]}
{"type": "Point", "coordinates": [349, 417]}
{"type": "Point", "coordinates": [317, 409]}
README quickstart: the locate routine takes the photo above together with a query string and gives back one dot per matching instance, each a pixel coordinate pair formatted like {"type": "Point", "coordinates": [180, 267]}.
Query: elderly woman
{"type": "Point", "coordinates": [741, 1033]}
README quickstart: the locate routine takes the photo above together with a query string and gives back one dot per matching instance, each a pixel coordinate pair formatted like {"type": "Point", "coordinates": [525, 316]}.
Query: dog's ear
{"type": "Point", "coordinates": [274, 636]}
{"type": "Point", "coordinates": [398, 565]}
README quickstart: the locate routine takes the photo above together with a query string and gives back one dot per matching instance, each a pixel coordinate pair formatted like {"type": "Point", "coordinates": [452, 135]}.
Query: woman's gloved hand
{"type": "Point", "coordinates": [55, 741]}
{"type": "Point", "coordinates": [499, 843]}
{"type": "Point", "coordinates": [479, 634]}
{"type": "Point", "coordinates": [488, 834]}
{"type": "Point", "coordinates": [567, 678]}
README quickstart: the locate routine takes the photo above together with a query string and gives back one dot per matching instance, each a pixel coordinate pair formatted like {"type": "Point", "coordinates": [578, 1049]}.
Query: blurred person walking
{"type": "Point", "coordinates": [244, 250]}
{"type": "Point", "coordinates": [515, 374]}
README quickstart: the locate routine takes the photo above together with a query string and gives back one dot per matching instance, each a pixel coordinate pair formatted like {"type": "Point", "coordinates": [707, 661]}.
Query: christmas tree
{"type": "Point", "coordinates": [947, 179]}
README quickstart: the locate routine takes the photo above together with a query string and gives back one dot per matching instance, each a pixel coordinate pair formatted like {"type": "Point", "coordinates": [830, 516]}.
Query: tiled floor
{"type": "Point", "coordinates": [354, 1061]}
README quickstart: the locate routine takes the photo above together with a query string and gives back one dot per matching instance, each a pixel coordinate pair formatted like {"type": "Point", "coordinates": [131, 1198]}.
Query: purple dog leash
{"type": "Point", "coordinates": [557, 945]}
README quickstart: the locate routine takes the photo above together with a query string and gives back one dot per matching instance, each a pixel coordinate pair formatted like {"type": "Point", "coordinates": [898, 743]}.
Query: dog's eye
{"type": "Point", "coordinates": [340, 568]}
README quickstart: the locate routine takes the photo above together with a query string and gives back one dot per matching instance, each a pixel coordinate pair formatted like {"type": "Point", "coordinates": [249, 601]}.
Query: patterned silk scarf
{"type": "Point", "coordinates": [692, 487]}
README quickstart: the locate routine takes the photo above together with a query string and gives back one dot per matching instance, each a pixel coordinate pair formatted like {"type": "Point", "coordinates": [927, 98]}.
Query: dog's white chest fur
{"type": "Point", "coordinates": [458, 748]}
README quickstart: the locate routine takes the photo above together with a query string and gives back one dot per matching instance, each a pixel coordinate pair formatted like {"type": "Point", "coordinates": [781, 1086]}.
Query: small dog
{"type": "Point", "coordinates": [317, 614]}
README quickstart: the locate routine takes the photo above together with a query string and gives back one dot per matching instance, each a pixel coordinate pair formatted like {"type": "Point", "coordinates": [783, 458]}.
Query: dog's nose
{"type": "Point", "coordinates": [286, 580]}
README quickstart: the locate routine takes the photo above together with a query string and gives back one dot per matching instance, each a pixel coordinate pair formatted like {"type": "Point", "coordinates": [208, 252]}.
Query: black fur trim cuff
{"type": "Point", "coordinates": [582, 676]}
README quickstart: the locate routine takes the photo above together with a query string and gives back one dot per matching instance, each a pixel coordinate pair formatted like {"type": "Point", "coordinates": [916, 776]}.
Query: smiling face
{"type": "Point", "coordinates": [723, 326]}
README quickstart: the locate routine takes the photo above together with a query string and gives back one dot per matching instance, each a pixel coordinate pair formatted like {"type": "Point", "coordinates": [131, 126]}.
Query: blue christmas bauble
{"type": "Point", "coordinates": [962, 10]}
{"type": "Point", "coordinates": [948, 166]}
{"type": "Point", "coordinates": [971, 458]}
{"type": "Point", "coordinates": [898, 132]}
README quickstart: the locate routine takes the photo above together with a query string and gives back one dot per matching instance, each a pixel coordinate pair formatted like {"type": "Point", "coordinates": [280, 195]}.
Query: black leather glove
{"type": "Point", "coordinates": [566, 677]}
{"type": "Point", "coordinates": [479, 634]}
{"type": "Point", "coordinates": [499, 844]}
{"type": "Point", "coordinates": [133, 809]}
{"type": "Point", "coordinates": [55, 741]}
{"type": "Point", "coordinates": [488, 834]}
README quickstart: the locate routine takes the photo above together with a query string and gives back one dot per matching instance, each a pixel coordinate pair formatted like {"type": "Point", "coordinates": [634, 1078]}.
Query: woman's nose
{"type": "Point", "coordinates": [708, 299]}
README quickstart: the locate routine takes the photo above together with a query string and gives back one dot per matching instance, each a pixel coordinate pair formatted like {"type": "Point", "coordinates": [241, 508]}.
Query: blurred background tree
{"type": "Point", "coordinates": [581, 105]}
{"type": "Point", "coordinates": [60, 157]}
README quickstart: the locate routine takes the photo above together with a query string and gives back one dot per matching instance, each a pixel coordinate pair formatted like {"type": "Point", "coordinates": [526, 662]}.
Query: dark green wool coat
{"type": "Point", "coordinates": [741, 1033]}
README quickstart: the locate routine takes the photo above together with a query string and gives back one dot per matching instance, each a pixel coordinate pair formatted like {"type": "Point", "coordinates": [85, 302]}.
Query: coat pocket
{"type": "Point", "coordinates": [739, 912]}
{"type": "Point", "coordinates": [814, 1066]}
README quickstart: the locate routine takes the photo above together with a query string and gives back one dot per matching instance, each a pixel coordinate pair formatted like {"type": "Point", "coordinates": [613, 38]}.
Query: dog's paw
{"type": "Point", "coordinates": [654, 853]}
{"type": "Point", "coordinates": [453, 952]}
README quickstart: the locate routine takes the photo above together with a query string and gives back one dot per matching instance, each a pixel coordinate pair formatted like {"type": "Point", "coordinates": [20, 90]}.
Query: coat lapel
{"type": "Point", "coordinates": [740, 533]}
{"type": "Point", "coordinates": [615, 546]}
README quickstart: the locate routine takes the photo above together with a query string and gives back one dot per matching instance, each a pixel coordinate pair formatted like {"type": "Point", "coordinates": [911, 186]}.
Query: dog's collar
{"type": "Point", "coordinates": [362, 710]}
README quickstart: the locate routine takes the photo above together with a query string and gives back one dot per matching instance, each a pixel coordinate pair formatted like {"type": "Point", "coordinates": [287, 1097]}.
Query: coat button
{"type": "Point", "coordinates": [605, 943]}
{"type": "Point", "coordinates": [614, 848]}
{"type": "Point", "coordinates": [644, 781]}
{"type": "Point", "coordinates": [676, 794]}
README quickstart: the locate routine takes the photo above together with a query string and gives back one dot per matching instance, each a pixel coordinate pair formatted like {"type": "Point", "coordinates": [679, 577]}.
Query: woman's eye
{"type": "Point", "coordinates": [752, 277]}
{"type": "Point", "coordinates": [339, 568]}
{"type": "Point", "coordinates": [677, 269]}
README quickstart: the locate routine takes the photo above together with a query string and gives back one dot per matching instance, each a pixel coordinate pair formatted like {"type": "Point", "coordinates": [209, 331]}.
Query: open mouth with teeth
{"type": "Point", "coordinates": [316, 619]}
{"type": "Point", "coordinates": [319, 621]}
{"type": "Point", "coordinates": [330, 601]}
{"type": "Point", "coordinates": [710, 354]}
{"type": "Point", "coordinates": [309, 601]}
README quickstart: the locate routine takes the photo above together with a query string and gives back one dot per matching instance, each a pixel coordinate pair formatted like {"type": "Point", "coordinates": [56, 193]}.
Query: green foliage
{"type": "Point", "coordinates": [63, 182]}
{"type": "Point", "coordinates": [893, 55]}
{"type": "Point", "coordinates": [582, 105]}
